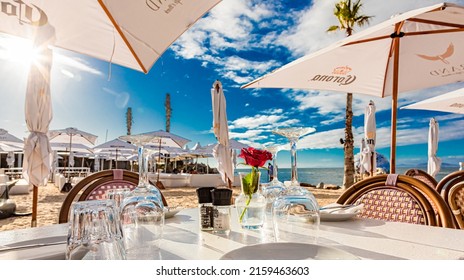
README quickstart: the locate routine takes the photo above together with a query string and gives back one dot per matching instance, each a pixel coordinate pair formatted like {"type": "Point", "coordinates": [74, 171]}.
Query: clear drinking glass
{"type": "Point", "coordinates": [142, 211]}
{"type": "Point", "coordinates": [296, 216]}
{"type": "Point", "coordinates": [94, 231]}
{"type": "Point", "coordinates": [273, 188]}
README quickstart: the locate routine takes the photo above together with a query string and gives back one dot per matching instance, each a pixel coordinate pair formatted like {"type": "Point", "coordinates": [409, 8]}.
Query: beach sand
{"type": "Point", "coordinates": [50, 200]}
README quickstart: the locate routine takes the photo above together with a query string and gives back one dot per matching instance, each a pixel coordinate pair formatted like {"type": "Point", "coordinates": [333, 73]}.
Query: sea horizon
{"type": "Point", "coordinates": [332, 175]}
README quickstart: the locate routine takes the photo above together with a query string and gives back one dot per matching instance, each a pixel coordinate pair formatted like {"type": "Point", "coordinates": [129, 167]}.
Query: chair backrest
{"type": "Point", "coordinates": [456, 203]}
{"type": "Point", "coordinates": [398, 198]}
{"type": "Point", "coordinates": [94, 187]}
{"type": "Point", "coordinates": [445, 184]}
{"type": "Point", "coordinates": [423, 176]}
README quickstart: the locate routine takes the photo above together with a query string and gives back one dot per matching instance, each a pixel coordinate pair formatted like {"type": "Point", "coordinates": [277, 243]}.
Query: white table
{"type": "Point", "coordinates": [367, 239]}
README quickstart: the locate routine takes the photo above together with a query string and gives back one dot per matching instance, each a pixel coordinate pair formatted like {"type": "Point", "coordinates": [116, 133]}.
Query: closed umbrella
{"type": "Point", "coordinates": [370, 136]}
{"type": "Point", "coordinates": [434, 163]}
{"type": "Point", "coordinates": [414, 50]}
{"type": "Point", "coordinates": [38, 114]}
{"type": "Point", "coordinates": [222, 152]}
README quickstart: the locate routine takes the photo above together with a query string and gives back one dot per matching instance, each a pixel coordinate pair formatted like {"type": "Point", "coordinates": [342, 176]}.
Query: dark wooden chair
{"type": "Point", "coordinates": [94, 187]}
{"type": "Point", "coordinates": [399, 198]}
{"type": "Point", "coordinates": [423, 176]}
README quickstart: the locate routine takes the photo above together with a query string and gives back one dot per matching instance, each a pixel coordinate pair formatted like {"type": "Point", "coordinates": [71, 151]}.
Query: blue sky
{"type": "Point", "coordinates": [236, 42]}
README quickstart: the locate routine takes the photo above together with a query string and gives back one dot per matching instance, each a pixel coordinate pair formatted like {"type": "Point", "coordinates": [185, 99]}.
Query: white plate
{"type": "Point", "coordinates": [288, 251]}
{"type": "Point", "coordinates": [171, 212]}
{"type": "Point", "coordinates": [337, 217]}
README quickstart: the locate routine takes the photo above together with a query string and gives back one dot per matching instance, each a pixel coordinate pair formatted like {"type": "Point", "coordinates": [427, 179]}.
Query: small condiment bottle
{"type": "Point", "coordinates": [205, 201]}
{"type": "Point", "coordinates": [222, 199]}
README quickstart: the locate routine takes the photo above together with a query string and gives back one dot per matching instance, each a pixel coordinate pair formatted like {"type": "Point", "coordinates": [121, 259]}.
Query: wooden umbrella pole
{"type": "Point", "coordinates": [35, 196]}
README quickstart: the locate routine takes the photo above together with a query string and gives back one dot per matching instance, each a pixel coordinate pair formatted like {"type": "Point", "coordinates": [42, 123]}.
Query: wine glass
{"type": "Point", "coordinates": [293, 134]}
{"type": "Point", "coordinates": [274, 187]}
{"type": "Point", "coordinates": [142, 210]}
{"type": "Point", "coordinates": [295, 208]}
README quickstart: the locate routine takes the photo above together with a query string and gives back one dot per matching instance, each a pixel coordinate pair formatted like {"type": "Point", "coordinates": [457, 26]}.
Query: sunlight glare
{"type": "Point", "coordinates": [17, 50]}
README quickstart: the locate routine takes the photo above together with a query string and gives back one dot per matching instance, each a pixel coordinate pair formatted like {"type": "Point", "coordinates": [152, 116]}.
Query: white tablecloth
{"type": "Point", "coordinates": [367, 239]}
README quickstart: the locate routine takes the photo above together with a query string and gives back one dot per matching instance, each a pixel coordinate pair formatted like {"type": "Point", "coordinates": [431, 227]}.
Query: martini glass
{"type": "Point", "coordinates": [293, 134]}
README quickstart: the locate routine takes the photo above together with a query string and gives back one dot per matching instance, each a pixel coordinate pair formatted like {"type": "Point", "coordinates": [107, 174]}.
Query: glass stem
{"type": "Point", "coordinates": [274, 167]}
{"type": "Point", "coordinates": [293, 142]}
{"type": "Point", "coordinates": [143, 167]}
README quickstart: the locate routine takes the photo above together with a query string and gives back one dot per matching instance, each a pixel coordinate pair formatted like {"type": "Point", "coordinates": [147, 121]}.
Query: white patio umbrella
{"type": "Point", "coordinates": [362, 157]}
{"type": "Point", "coordinates": [434, 163]}
{"type": "Point", "coordinates": [133, 33]}
{"type": "Point", "coordinates": [222, 151]}
{"type": "Point", "coordinates": [414, 50]}
{"type": "Point", "coordinates": [451, 102]}
{"type": "Point", "coordinates": [71, 136]}
{"type": "Point", "coordinates": [117, 147]}
{"type": "Point", "coordinates": [370, 136]}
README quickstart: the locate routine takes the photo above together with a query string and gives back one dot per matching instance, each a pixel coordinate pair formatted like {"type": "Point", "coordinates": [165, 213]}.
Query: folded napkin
{"type": "Point", "coordinates": [335, 208]}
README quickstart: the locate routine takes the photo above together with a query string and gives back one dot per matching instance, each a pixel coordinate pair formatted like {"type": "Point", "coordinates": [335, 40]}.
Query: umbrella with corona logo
{"type": "Point", "coordinates": [414, 50]}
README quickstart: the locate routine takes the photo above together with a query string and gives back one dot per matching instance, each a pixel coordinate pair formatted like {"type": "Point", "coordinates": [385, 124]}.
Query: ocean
{"type": "Point", "coordinates": [333, 176]}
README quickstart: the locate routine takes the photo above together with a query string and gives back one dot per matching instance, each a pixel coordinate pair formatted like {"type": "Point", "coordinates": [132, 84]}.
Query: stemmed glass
{"type": "Point", "coordinates": [273, 188]}
{"type": "Point", "coordinates": [295, 208]}
{"type": "Point", "coordinates": [293, 134]}
{"type": "Point", "coordinates": [142, 210]}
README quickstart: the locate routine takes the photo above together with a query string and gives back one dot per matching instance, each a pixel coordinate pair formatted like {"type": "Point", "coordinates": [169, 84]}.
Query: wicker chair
{"type": "Point", "coordinates": [445, 184]}
{"type": "Point", "coordinates": [456, 203]}
{"type": "Point", "coordinates": [423, 176]}
{"type": "Point", "coordinates": [399, 198]}
{"type": "Point", "coordinates": [94, 187]}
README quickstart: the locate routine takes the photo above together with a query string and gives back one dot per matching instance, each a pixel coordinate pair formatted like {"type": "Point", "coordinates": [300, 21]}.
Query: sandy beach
{"type": "Point", "coordinates": [50, 200]}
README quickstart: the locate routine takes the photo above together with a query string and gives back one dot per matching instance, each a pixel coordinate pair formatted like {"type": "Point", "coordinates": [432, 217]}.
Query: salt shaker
{"type": "Point", "coordinates": [206, 207]}
{"type": "Point", "coordinates": [222, 199]}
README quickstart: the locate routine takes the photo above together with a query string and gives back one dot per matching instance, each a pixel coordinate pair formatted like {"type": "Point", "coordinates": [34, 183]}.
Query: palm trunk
{"type": "Point", "coordinates": [348, 177]}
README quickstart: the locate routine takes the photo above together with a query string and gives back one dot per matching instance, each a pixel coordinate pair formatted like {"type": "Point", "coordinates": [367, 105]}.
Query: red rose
{"type": "Point", "coordinates": [255, 157]}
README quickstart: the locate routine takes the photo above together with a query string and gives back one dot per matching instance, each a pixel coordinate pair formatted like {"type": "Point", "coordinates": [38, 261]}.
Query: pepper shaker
{"type": "Point", "coordinates": [206, 207]}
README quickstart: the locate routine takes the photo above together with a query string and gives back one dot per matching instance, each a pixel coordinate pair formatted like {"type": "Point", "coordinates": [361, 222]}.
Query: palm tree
{"type": "Point", "coordinates": [129, 120]}
{"type": "Point", "coordinates": [167, 105]}
{"type": "Point", "coordinates": [348, 15]}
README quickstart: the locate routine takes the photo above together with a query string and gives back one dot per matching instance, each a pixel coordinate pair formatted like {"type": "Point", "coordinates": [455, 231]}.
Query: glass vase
{"type": "Point", "coordinates": [250, 208]}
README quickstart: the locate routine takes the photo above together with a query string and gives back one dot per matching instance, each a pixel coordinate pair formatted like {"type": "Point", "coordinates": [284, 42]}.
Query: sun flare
{"type": "Point", "coordinates": [17, 50]}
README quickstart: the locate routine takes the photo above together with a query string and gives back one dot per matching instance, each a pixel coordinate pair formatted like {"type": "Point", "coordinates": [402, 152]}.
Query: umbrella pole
{"type": "Point", "coordinates": [159, 185]}
{"type": "Point", "coordinates": [396, 46]}
{"type": "Point", "coordinates": [35, 196]}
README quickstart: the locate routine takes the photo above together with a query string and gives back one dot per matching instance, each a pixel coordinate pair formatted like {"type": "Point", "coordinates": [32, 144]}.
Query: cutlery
{"type": "Point", "coordinates": [337, 207]}
{"type": "Point", "coordinates": [28, 246]}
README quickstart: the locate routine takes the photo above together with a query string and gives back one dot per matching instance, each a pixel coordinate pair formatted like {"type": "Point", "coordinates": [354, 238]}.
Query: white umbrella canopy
{"type": "Point", "coordinates": [72, 136]}
{"type": "Point", "coordinates": [414, 50]}
{"type": "Point", "coordinates": [133, 33]}
{"type": "Point", "coordinates": [451, 102]}
{"type": "Point", "coordinates": [117, 147]}
{"type": "Point", "coordinates": [370, 136]}
{"type": "Point", "coordinates": [434, 163]}
{"type": "Point", "coordinates": [222, 151]}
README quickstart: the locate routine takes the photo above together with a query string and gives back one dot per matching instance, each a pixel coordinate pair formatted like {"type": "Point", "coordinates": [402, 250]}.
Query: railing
{"type": "Point", "coordinates": [14, 172]}
{"type": "Point", "coordinates": [73, 171]}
